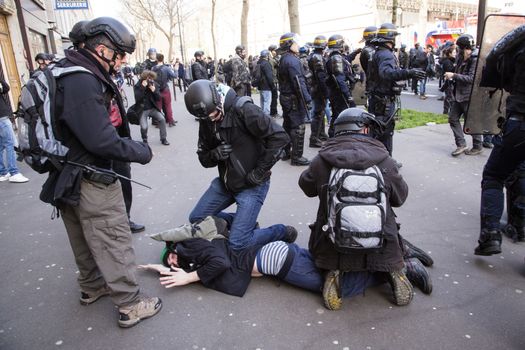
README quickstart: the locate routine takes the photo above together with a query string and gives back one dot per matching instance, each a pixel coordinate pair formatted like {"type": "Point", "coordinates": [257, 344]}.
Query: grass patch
{"type": "Point", "coordinates": [411, 119]}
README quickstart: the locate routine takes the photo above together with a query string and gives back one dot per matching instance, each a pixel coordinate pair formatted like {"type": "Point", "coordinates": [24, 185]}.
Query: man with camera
{"type": "Point", "coordinates": [147, 95]}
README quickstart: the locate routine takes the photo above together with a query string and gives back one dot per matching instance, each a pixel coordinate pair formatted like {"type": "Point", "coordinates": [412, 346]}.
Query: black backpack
{"type": "Point", "coordinates": [257, 75]}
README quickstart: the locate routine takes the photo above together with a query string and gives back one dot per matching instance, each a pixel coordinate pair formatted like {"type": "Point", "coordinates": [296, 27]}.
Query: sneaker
{"type": "Point", "coordinates": [331, 292]}
{"type": "Point", "coordinates": [18, 178]}
{"type": "Point", "coordinates": [411, 251]}
{"type": "Point", "coordinates": [133, 314]}
{"type": "Point", "coordinates": [5, 177]}
{"type": "Point", "coordinates": [418, 275]}
{"type": "Point", "coordinates": [86, 299]}
{"type": "Point", "coordinates": [488, 144]}
{"type": "Point", "coordinates": [401, 288]}
{"type": "Point", "coordinates": [489, 242]}
{"type": "Point", "coordinates": [459, 150]}
{"type": "Point", "coordinates": [474, 151]}
{"type": "Point", "coordinates": [135, 228]}
{"type": "Point", "coordinates": [291, 234]}
{"type": "Point", "coordinates": [422, 97]}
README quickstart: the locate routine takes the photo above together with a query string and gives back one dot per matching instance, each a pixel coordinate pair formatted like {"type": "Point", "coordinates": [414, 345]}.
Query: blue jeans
{"type": "Point", "coordinates": [304, 274]}
{"type": "Point", "coordinates": [266, 100]}
{"type": "Point", "coordinates": [243, 231]}
{"type": "Point", "coordinates": [422, 86]}
{"type": "Point", "coordinates": [7, 143]}
{"type": "Point", "coordinates": [507, 156]}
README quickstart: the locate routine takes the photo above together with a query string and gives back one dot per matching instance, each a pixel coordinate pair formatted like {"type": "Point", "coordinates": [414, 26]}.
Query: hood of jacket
{"type": "Point", "coordinates": [353, 152]}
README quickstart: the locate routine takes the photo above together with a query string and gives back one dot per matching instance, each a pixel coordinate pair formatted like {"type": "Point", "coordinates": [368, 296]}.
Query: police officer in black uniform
{"type": "Point", "coordinates": [383, 74]}
{"type": "Point", "coordinates": [505, 69]}
{"type": "Point", "coordinates": [339, 75]}
{"type": "Point", "coordinates": [316, 62]}
{"type": "Point", "coordinates": [369, 33]}
{"type": "Point", "coordinates": [294, 97]}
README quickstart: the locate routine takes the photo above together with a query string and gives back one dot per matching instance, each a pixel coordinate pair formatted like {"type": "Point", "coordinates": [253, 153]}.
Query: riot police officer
{"type": "Point", "coordinates": [384, 72]}
{"type": "Point", "coordinates": [294, 97]}
{"type": "Point", "coordinates": [505, 69]}
{"type": "Point", "coordinates": [319, 90]}
{"type": "Point", "coordinates": [369, 33]}
{"type": "Point", "coordinates": [339, 72]}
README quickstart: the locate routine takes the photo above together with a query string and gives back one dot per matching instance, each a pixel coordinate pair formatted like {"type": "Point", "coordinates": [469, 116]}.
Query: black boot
{"type": "Point", "coordinates": [315, 142]}
{"type": "Point", "coordinates": [489, 242]}
{"type": "Point", "coordinates": [411, 251]}
{"type": "Point", "coordinates": [298, 147]}
{"type": "Point", "coordinates": [418, 275]}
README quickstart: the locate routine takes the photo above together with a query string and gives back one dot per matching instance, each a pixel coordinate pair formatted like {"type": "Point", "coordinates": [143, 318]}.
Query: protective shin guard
{"type": "Point", "coordinates": [298, 146]}
{"type": "Point", "coordinates": [515, 186]}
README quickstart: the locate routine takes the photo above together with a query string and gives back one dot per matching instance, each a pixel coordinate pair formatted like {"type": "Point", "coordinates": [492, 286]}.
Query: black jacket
{"type": "Point", "coordinates": [84, 125]}
{"type": "Point", "coordinates": [144, 96]}
{"type": "Point", "coordinates": [5, 105]}
{"type": "Point", "coordinates": [266, 82]}
{"type": "Point", "coordinates": [355, 152]}
{"type": "Point", "coordinates": [199, 70]}
{"type": "Point", "coordinates": [383, 72]}
{"type": "Point", "coordinates": [218, 266]}
{"type": "Point", "coordinates": [464, 77]}
{"type": "Point", "coordinates": [256, 139]}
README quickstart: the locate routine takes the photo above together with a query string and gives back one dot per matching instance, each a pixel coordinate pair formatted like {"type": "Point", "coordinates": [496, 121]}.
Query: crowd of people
{"type": "Point", "coordinates": [354, 242]}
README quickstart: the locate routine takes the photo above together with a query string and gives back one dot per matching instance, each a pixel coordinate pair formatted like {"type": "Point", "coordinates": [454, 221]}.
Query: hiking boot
{"type": "Point", "coordinates": [459, 150]}
{"type": "Point", "coordinates": [90, 298]}
{"type": "Point", "coordinates": [411, 251]}
{"type": "Point", "coordinates": [401, 288]}
{"type": "Point", "coordinates": [291, 234]}
{"type": "Point", "coordinates": [489, 242]}
{"type": "Point", "coordinates": [418, 275]}
{"type": "Point", "coordinates": [133, 314]}
{"type": "Point", "coordinates": [474, 151]}
{"type": "Point", "coordinates": [301, 161]}
{"type": "Point", "coordinates": [135, 228]}
{"type": "Point", "coordinates": [331, 291]}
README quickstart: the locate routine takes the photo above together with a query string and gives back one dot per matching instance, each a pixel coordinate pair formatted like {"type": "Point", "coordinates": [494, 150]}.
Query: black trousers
{"type": "Point", "coordinates": [273, 105]}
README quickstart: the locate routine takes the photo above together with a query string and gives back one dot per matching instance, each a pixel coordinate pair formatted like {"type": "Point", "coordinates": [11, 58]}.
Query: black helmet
{"type": "Point", "coordinates": [202, 98]}
{"type": "Point", "coordinates": [286, 40]}
{"type": "Point", "coordinates": [353, 119]}
{"type": "Point", "coordinates": [198, 53]}
{"type": "Point", "coordinates": [336, 41]}
{"type": "Point", "coordinates": [369, 33]}
{"type": "Point", "coordinates": [465, 41]}
{"type": "Point", "coordinates": [77, 34]}
{"type": "Point", "coordinates": [114, 30]}
{"type": "Point", "coordinates": [387, 33]}
{"type": "Point", "coordinates": [320, 42]}
{"type": "Point", "coordinates": [265, 54]}
{"type": "Point", "coordinates": [272, 47]}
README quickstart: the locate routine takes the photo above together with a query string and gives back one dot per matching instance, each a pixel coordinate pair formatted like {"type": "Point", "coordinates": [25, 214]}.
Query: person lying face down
{"type": "Point", "coordinates": [217, 266]}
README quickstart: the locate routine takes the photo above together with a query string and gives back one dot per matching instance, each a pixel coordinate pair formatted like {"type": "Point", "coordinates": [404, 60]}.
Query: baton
{"type": "Point", "coordinates": [111, 172]}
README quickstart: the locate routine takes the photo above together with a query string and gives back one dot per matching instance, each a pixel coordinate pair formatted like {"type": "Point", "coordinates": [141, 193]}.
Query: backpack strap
{"type": "Point", "coordinates": [241, 101]}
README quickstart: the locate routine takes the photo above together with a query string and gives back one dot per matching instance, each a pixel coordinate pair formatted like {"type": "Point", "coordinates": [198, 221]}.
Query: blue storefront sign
{"type": "Point", "coordinates": [71, 4]}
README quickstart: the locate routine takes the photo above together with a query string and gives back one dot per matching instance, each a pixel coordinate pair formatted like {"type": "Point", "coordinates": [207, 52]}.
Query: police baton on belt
{"type": "Point", "coordinates": [305, 105]}
{"type": "Point", "coordinates": [339, 90]}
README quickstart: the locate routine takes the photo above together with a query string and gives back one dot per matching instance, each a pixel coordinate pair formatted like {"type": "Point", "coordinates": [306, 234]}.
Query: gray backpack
{"type": "Point", "coordinates": [356, 209]}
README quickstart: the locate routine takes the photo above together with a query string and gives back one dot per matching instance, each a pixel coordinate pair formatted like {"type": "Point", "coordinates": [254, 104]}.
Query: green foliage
{"type": "Point", "coordinates": [411, 119]}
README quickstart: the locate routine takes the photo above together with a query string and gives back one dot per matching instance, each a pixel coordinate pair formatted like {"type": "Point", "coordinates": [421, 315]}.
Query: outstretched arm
{"type": "Point", "coordinates": [178, 277]}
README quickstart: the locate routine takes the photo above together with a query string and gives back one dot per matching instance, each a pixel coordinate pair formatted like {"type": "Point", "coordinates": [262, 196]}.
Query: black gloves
{"type": "Point", "coordinates": [416, 73]}
{"type": "Point", "coordinates": [258, 176]}
{"type": "Point", "coordinates": [221, 152]}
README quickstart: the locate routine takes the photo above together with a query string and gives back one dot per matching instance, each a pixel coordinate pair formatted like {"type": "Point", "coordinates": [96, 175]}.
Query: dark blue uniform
{"type": "Point", "coordinates": [293, 88]}
{"type": "Point", "coordinates": [507, 158]}
{"type": "Point", "coordinates": [319, 94]}
{"type": "Point", "coordinates": [383, 73]}
{"type": "Point", "coordinates": [339, 72]}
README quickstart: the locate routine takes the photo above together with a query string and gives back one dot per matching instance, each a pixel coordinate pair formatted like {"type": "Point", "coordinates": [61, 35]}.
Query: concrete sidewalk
{"type": "Point", "coordinates": [477, 303]}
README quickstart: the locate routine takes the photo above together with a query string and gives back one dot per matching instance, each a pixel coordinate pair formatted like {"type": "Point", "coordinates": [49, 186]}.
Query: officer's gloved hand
{"type": "Point", "coordinates": [416, 73]}
{"type": "Point", "coordinates": [258, 176]}
{"type": "Point", "coordinates": [309, 105]}
{"type": "Point", "coordinates": [221, 152]}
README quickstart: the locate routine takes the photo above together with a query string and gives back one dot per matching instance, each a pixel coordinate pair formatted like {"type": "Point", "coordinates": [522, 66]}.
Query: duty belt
{"type": "Point", "coordinates": [99, 177]}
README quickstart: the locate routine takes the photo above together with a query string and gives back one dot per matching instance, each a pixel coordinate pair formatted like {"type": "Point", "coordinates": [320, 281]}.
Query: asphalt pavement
{"type": "Point", "coordinates": [477, 302]}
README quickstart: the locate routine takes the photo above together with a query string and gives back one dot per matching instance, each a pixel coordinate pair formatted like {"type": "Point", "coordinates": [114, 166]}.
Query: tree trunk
{"type": "Point", "coordinates": [293, 14]}
{"type": "Point", "coordinates": [244, 23]}
{"type": "Point", "coordinates": [394, 12]}
{"type": "Point", "coordinates": [213, 2]}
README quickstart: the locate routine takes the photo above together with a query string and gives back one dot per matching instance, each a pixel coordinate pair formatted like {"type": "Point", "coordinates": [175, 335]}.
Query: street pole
{"type": "Point", "coordinates": [482, 12]}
